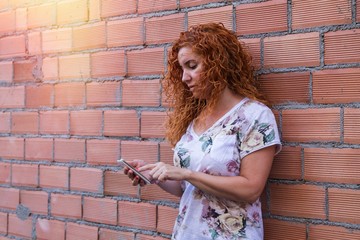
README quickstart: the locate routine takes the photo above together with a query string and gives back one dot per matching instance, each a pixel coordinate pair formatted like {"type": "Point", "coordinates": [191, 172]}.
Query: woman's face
{"type": "Point", "coordinates": [192, 67]}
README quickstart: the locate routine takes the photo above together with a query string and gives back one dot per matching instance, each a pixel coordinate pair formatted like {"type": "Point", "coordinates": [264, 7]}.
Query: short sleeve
{"type": "Point", "coordinates": [262, 132]}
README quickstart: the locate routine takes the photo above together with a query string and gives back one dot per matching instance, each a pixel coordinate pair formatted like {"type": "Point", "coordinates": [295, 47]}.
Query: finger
{"type": "Point", "coordinates": [163, 176]}
{"type": "Point", "coordinates": [146, 167]}
{"type": "Point", "coordinates": [157, 168]}
{"type": "Point", "coordinates": [157, 173]}
{"type": "Point", "coordinates": [131, 174]}
{"type": "Point", "coordinates": [135, 181]}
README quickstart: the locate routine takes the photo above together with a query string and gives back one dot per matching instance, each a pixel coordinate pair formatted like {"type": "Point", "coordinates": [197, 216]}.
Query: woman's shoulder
{"type": "Point", "coordinates": [253, 108]}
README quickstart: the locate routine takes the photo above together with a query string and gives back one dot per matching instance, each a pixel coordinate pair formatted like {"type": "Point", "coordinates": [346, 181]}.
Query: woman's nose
{"type": "Point", "coordinates": [185, 76]}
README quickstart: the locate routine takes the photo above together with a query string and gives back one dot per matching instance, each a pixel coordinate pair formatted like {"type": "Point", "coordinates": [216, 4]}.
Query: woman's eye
{"type": "Point", "coordinates": [192, 66]}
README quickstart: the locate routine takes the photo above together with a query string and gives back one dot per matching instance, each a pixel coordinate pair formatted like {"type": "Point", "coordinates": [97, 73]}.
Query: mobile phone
{"type": "Point", "coordinates": [136, 172]}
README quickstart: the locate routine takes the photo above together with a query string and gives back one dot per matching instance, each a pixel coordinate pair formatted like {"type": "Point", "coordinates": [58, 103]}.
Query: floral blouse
{"type": "Point", "coordinates": [247, 127]}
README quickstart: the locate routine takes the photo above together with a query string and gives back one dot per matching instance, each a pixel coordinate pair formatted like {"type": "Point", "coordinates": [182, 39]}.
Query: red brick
{"type": "Point", "coordinates": [69, 94]}
{"type": "Point", "coordinates": [108, 64]}
{"type": "Point", "coordinates": [39, 149]}
{"type": "Point", "coordinates": [344, 205]}
{"type": "Point", "coordinates": [103, 94]}
{"type": "Point", "coordinates": [336, 86]}
{"type": "Point", "coordinates": [20, 3]}
{"type": "Point", "coordinates": [152, 124]}
{"type": "Point", "coordinates": [24, 71]}
{"type": "Point", "coordinates": [69, 150]}
{"type": "Point", "coordinates": [253, 45]}
{"type": "Point", "coordinates": [351, 125]}
{"type": "Point", "coordinates": [342, 46]}
{"type": "Point", "coordinates": [104, 152]}
{"type": "Point", "coordinates": [57, 40]}
{"type": "Point", "coordinates": [6, 72]}
{"type": "Point", "coordinates": [125, 32]}
{"type": "Point", "coordinates": [36, 201]}
{"type": "Point", "coordinates": [269, 16]}
{"type": "Point", "coordinates": [8, 22]}
{"type": "Point", "coordinates": [138, 215]}
{"type": "Point", "coordinates": [4, 223]}
{"type": "Point", "coordinates": [332, 165]}
{"type": "Point", "coordinates": [74, 66]}
{"type": "Point", "coordinates": [358, 14]}
{"type": "Point", "coordinates": [39, 96]}
{"type": "Point", "coordinates": [147, 237]}
{"type": "Point", "coordinates": [100, 210]}
{"type": "Point", "coordinates": [12, 148]}
{"type": "Point", "coordinates": [264, 200]}
{"type": "Point", "coordinates": [86, 179]}
{"type": "Point", "coordinates": [107, 234]}
{"type": "Point", "coordinates": [4, 5]}
{"type": "Point", "coordinates": [25, 175]}
{"type": "Point", "coordinates": [12, 97]}
{"type": "Point", "coordinates": [76, 231]}
{"type": "Point", "coordinates": [42, 15]}
{"type": "Point", "coordinates": [10, 198]}
{"type": "Point", "coordinates": [276, 229]}
{"type": "Point", "coordinates": [110, 8]}
{"type": "Point", "coordinates": [13, 46]}
{"type": "Point", "coordinates": [86, 122]}
{"type": "Point", "coordinates": [68, 206]}
{"type": "Point", "coordinates": [155, 193]}
{"type": "Point", "coordinates": [303, 125]}
{"type": "Point", "coordinates": [221, 14]}
{"type": "Point", "coordinates": [164, 29]}
{"type": "Point", "coordinates": [147, 151]}
{"type": "Point", "coordinates": [94, 10]}
{"type": "Point", "coordinates": [192, 3]}
{"type": "Point", "coordinates": [314, 13]}
{"type": "Point", "coordinates": [166, 153]}
{"type": "Point", "coordinates": [166, 219]}
{"type": "Point", "coordinates": [25, 122]}
{"type": "Point", "coordinates": [50, 68]}
{"type": "Point", "coordinates": [5, 169]}
{"type": "Point", "coordinates": [294, 50]}
{"type": "Point", "coordinates": [72, 11]}
{"type": "Point", "coordinates": [148, 61]}
{"type": "Point", "coordinates": [304, 201]}
{"type": "Point", "coordinates": [322, 232]}
{"type": "Point", "coordinates": [118, 184]}
{"type": "Point", "coordinates": [50, 229]}
{"type": "Point", "coordinates": [20, 228]}
{"type": "Point", "coordinates": [121, 123]}
{"type": "Point", "coordinates": [21, 19]}
{"type": "Point", "coordinates": [54, 122]}
{"type": "Point", "coordinates": [89, 36]}
{"type": "Point", "coordinates": [294, 87]}
{"type": "Point", "coordinates": [141, 93]}
{"type": "Point", "coordinates": [5, 122]}
{"type": "Point", "coordinates": [34, 43]}
{"type": "Point", "coordinates": [287, 164]}
{"type": "Point", "coordinates": [54, 177]}
{"type": "Point", "coordinates": [145, 6]}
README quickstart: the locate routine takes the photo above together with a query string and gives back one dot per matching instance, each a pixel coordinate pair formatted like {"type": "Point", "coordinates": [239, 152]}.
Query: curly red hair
{"type": "Point", "coordinates": [226, 64]}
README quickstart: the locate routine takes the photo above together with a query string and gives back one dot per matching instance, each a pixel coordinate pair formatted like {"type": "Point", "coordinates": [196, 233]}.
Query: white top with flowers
{"type": "Point", "coordinates": [247, 127]}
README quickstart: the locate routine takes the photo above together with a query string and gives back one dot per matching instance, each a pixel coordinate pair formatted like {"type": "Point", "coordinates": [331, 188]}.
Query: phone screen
{"type": "Point", "coordinates": [136, 172]}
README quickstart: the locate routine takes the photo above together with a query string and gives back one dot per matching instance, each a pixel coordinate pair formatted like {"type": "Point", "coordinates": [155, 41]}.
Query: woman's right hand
{"type": "Point", "coordinates": [135, 179]}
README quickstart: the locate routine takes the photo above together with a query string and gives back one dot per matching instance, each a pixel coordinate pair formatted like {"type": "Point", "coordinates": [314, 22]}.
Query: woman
{"type": "Point", "coordinates": [225, 137]}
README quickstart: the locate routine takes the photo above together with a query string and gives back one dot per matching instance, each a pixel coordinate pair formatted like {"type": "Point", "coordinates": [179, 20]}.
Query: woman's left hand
{"type": "Point", "coordinates": [162, 172]}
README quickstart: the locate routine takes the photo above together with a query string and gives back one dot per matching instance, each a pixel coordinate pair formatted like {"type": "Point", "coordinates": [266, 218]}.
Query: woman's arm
{"type": "Point", "coordinates": [248, 186]}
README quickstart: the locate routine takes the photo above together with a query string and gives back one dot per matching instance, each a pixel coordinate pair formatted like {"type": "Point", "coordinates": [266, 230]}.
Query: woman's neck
{"type": "Point", "coordinates": [207, 118]}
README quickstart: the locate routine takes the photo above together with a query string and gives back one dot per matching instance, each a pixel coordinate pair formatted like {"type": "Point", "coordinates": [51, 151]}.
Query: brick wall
{"type": "Point", "coordinates": [79, 88]}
